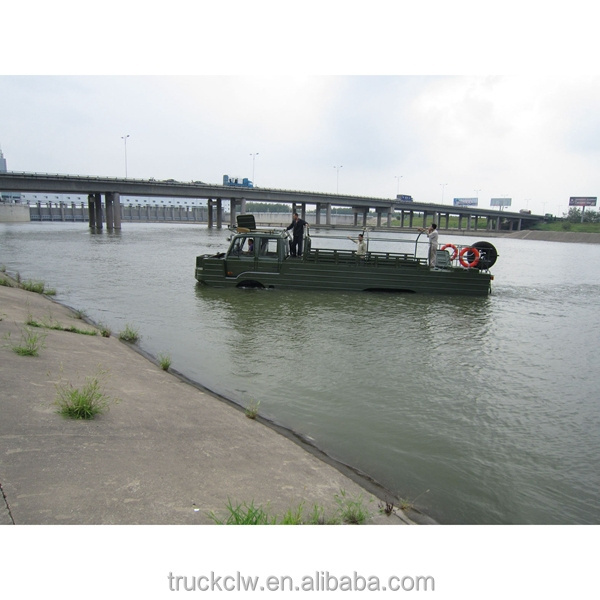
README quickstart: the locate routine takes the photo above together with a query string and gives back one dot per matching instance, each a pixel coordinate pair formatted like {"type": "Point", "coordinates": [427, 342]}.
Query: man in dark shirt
{"type": "Point", "coordinates": [297, 226]}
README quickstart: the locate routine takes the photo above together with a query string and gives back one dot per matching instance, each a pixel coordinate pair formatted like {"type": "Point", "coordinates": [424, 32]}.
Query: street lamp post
{"type": "Point", "coordinates": [443, 187]}
{"type": "Point", "coordinates": [253, 155]}
{"type": "Point", "coordinates": [124, 138]}
{"type": "Point", "coordinates": [337, 189]}
{"type": "Point", "coordinates": [398, 178]}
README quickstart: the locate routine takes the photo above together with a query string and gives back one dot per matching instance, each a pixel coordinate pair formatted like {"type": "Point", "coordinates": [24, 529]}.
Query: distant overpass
{"type": "Point", "coordinates": [114, 188]}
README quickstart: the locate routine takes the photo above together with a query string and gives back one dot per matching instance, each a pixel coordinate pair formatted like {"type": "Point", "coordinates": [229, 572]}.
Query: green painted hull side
{"type": "Point", "coordinates": [359, 276]}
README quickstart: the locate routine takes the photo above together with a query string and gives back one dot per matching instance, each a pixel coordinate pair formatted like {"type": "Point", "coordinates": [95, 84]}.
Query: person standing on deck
{"type": "Point", "coordinates": [432, 234]}
{"type": "Point", "coordinates": [362, 246]}
{"type": "Point", "coordinates": [297, 227]}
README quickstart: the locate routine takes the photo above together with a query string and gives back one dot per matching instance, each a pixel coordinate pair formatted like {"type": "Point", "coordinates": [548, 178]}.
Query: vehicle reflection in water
{"type": "Point", "coordinates": [355, 372]}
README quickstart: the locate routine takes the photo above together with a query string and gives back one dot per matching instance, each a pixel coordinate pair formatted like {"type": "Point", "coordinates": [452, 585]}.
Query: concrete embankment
{"type": "Point", "coordinates": [555, 236]}
{"type": "Point", "coordinates": [167, 453]}
{"type": "Point", "coordinates": [14, 213]}
{"type": "Point", "coordinates": [528, 234]}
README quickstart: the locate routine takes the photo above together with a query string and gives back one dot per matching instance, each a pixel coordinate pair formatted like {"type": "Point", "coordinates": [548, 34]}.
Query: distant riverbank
{"type": "Point", "coordinates": [530, 234]}
{"type": "Point", "coordinates": [572, 237]}
{"type": "Point", "coordinates": [16, 213]}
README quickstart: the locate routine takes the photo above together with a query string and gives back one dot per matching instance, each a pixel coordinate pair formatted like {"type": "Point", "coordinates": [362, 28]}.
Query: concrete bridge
{"type": "Point", "coordinates": [114, 188]}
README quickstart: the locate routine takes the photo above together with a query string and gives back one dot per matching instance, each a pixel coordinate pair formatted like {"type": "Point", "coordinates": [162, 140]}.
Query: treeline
{"type": "Point", "coordinates": [267, 207]}
{"type": "Point", "coordinates": [589, 216]}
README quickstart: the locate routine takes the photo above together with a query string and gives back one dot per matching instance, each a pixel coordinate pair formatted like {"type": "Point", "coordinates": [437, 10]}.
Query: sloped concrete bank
{"type": "Point", "coordinates": [169, 452]}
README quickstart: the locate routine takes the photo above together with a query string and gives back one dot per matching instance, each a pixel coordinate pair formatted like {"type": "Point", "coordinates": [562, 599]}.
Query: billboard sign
{"type": "Point", "coordinates": [582, 201]}
{"type": "Point", "coordinates": [404, 198]}
{"type": "Point", "coordinates": [500, 201]}
{"type": "Point", "coordinates": [466, 201]}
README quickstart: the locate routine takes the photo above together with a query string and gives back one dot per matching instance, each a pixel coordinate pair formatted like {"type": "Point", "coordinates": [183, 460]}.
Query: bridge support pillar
{"type": "Point", "coordinates": [232, 212]}
{"type": "Point", "coordinates": [91, 211]}
{"type": "Point", "coordinates": [95, 211]}
{"type": "Point", "coordinates": [110, 214]}
{"type": "Point", "coordinates": [301, 211]}
{"type": "Point", "coordinates": [99, 212]}
{"type": "Point", "coordinates": [328, 215]}
{"type": "Point", "coordinates": [117, 210]}
{"type": "Point", "coordinates": [219, 213]}
{"type": "Point", "coordinates": [384, 211]}
{"type": "Point", "coordinates": [365, 215]}
{"type": "Point", "coordinates": [210, 202]}
{"type": "Point", "coordinates": [113, 210]}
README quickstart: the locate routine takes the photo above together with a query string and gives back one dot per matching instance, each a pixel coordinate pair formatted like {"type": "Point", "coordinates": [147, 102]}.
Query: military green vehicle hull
{"type": "Point", "coordinates": [269, 265]}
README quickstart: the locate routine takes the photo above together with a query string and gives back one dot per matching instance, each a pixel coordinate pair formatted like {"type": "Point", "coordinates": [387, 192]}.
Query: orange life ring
{"type": "Point", "coordinates": [474, 262]}
{"type": "Point", "coordinates": [453, 248]}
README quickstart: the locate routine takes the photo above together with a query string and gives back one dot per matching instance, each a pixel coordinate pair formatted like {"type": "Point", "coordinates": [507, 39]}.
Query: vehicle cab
{"type": "Point", "coordinates": [258, 245]}
{"type": "Point", "coordinates": [254, 257]}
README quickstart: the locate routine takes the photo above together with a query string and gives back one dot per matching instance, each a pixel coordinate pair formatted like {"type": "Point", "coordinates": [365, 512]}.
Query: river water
{"type": "Point", "coordinates": [481, 410]}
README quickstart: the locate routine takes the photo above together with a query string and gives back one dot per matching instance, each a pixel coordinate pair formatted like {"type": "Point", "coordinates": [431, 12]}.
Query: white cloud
{"type": "Point", "coordinates": [532, 139]}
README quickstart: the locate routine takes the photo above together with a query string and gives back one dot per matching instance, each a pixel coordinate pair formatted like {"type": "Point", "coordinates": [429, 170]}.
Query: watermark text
{"type": "Point", "coordinates": [319, 581]}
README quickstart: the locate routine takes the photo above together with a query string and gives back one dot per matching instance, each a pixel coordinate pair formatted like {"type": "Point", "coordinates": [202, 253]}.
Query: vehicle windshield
{"type": "Point", "coordinates": [242, 246]}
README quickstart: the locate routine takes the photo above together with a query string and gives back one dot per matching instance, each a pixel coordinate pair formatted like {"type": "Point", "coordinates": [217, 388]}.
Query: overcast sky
{"type": "Point", "coordinates": [532, 137]}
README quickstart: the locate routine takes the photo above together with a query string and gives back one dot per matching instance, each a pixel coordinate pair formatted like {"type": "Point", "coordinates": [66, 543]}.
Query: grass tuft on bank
{"type": "Point", "coordinates": [349, 511]}
{"type": "Point", "coordinates": [85, 402]}
{"type": "Point", "coordinates": [30, 344]}
{"type": "Point", "coordinates": [130, 334]}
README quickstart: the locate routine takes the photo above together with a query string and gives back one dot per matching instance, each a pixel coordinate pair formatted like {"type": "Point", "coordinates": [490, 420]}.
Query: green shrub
{"type": "Point", "coordinates": [349, 511]}
{"type": "Point", "coordinates": [129, 334]}
{"type": "Point", "coordinates": [164, 360]}
{"type": "Point", "coordinates": [39, 287]}
{"type": "Point", "coordinates": [252, 409]}
{"type": "Point", "coordinates": [105, 331]}
{"type": "Point", "coordinates": [244, 514]}
{"type": "Point", "coordinates": [31, 342]}
{"type": "Point", "coordinates": [84, 403]}
{"type": "Point", "coordinates": [56, 326]}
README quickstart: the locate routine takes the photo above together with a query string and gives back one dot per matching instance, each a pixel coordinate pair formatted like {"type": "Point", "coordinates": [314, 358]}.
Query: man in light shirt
{"type": "Point", "coordinates": [432, 234]}
{"type": "Point", "coordinates": [362, 246]}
